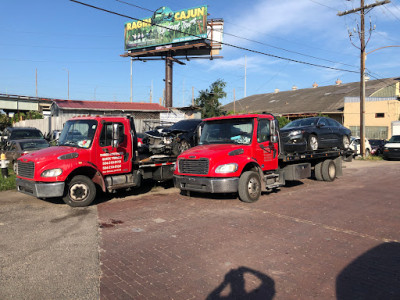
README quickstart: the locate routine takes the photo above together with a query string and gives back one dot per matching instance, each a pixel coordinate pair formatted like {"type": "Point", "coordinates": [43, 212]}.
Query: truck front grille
{"type": "Point", "coordinates": [193, 166]}
{"type": "Point", "coordinates": [26, 170]}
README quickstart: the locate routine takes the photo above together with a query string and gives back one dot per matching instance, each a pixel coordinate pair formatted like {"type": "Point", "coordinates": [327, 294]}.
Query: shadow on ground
{"type": "Point", "coordinates": [373, 275]}
{"type": "Point", "coordinates": [233, 286]}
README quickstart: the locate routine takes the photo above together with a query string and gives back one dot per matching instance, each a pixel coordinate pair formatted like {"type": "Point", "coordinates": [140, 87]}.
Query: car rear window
{"type": "Point", "coordinates": [26, 134]}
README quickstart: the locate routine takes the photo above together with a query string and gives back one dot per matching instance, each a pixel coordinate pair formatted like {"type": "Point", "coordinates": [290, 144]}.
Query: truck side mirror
{"type": "Point", "coordinates": [199, 130]}
{"type": "Point", "coordinates": [273, 136]}
{"type": "Point", "coordinates": [115, 135]}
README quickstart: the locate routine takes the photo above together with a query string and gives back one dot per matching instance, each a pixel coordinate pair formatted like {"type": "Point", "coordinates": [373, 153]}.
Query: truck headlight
{"type": "Point", "coordinates": [227, 168]}
{"type": "Point", "coordinates": [52, 173]}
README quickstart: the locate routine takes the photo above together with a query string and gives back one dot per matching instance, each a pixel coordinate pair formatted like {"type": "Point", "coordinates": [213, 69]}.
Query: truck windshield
{"type": "Point", "coordinates": [228, 131]}
{"type": "Point", "coordinates": [78, 133]}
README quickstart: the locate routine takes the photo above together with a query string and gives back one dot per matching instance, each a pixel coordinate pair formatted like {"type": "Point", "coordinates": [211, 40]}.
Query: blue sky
{"type": "Point", "coordinates": [59, 36]}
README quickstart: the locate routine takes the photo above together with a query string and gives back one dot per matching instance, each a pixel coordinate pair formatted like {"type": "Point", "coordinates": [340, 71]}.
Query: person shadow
{"type": "Point", "coordinates": [234, 286]}
{"type": "Point", "coordinates": [373, 275]}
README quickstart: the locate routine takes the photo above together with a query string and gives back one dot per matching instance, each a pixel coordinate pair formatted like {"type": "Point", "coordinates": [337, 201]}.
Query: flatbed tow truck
{"type": "Point", "coordinates": [243, 154]}
{"type": "Point", "coordinates": [93, 152]}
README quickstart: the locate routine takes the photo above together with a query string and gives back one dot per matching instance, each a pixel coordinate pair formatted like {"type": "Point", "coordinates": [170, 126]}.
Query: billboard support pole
{"type": "Point", "coordinates": [168, 80]}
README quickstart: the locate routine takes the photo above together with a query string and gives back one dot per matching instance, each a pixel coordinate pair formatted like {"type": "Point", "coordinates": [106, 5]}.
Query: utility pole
{"type": "Point", "coordinates": [362, 10]}
{"type": "Point", "coordinates": [234, 102]}
{"type": "Point", "coordinates": [192, 95]}
{"type": "Point", "coordinates": [183, 93]}
{"type": "Point", "coordinates": [151, 92]}
{"type": "Point", "coordinates": [131, 79]}
{"type": "Point", "coordinates": [245, 75]}
{"type": "Point", "coordinates": [36, 82]}
{"type": "Point", "coordinates": [68, 84]}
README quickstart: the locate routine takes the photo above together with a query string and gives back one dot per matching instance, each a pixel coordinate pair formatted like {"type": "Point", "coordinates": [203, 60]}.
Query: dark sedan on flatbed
{"type": "Point", "coordinates": [311, 134]}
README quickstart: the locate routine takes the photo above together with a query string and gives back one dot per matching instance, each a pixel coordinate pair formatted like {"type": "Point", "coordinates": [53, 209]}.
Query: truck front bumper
{"type": "Point", "coordinates": [40, 190]}
{"type": "Point", "coordinates": [206, 185]}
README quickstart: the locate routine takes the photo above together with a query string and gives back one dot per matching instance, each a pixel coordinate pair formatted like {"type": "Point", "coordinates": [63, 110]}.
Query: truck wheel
{"type": "Point", "coordinates": [318, 171]}
{"type": "Point", "coordinates": [249, 187]}
{"type": "Point", "coordinates": [328, 170]}
{"type": "Point", "coordinates": [312, 142]}
{"type": "Point", "coordinates": [81, 191]}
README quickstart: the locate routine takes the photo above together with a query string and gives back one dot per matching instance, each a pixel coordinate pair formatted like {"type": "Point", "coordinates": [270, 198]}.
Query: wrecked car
{"type": "Point", "coordinates": [175, 139]}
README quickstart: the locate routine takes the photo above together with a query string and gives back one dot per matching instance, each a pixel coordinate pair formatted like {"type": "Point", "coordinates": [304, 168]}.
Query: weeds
{"type": "Point", "coordinates": [8, 183]}
{"type": "Point", "coordinates": [370, 157]}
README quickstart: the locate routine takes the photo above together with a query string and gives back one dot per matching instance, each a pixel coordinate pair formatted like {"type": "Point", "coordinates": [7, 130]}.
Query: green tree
{"type": "Point", "coordinates": [5, 121]}
{"type": "Point", "coordinates": [32, 114]}
{"type": "Point", "coordinates": [283, 121]}
{"type": "Point", "coordinates": [208, 99]}
{"type": "Point", "coordinates": [18, 117]}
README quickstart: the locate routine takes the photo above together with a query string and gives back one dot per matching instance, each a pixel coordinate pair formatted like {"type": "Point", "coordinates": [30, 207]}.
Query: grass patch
{"type": "Point", "coordinates": [371, 157]}
{"type": "Point", "coordinates": [9, 182]}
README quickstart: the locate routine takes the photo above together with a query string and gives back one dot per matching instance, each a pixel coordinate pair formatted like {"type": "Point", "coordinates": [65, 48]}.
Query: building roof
{"type": "Point", "coordinates": [102, 105]}
{"type": "Point", "coordinates": [324, 99]}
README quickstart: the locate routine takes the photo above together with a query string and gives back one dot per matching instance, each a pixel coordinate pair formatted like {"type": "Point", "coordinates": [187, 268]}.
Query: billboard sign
{"type": "Point", "coordinates": [167, 27]}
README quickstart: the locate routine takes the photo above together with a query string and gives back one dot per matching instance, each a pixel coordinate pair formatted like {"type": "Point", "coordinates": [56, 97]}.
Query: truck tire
{"type": "Point", "coordinates": [328, 169]}
{"type": "Point", "coordinates": [318, 171]}
{"type": "Point", "coordinates": [81, 191]}
{"type": "Point", "coordinates": [249, 187]}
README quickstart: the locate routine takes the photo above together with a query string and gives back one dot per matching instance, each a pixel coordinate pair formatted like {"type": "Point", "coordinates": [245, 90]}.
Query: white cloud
{"type": "Point", "coordinates": [280, 18]}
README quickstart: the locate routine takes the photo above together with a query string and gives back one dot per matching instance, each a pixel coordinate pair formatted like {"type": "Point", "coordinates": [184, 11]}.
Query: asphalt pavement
{"type": "Point", "coordinates": [309, 240]}
{"type": "Point", "coordinates": [48, 250]}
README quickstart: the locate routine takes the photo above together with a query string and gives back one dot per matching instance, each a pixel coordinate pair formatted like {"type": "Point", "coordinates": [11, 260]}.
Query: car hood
{"type": "Point", "coordinates": [48, 154]}
{"type": "Point", "coordinates": [166, 132]}
{"type": "Point", "coordinates": [392, 145]}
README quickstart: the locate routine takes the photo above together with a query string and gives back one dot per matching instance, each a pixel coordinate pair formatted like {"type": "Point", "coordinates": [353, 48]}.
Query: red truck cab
{"type": "Point", "coordinates": [235, 153]}
{"type": "Point", "coordinates": [92, 151]}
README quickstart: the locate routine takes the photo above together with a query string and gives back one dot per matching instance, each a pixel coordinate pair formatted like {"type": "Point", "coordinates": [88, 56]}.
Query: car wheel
{"type": "Point", "coordinates": [367, 152]}
{"type": "Point", "coordinates": [81, 191]}
{"type": "Point", "coordinates": [312, 142]}
{"type": "Point", "coordinates": [345, 142]}
{"type": "Point", "coordinates": [328, 169]}
{"type": "Point", "coordinates": [184, 145]}
{"type": "Point", "coordinates": [249, 187]}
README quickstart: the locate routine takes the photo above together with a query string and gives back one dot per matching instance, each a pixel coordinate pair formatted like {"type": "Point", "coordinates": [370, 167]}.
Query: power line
{"type": "Point", "coordinates": [223, 43]}
{"type": "Point", "coordinates": [392, 13]}
{"type": "Point", "coordinates": [316, 2]}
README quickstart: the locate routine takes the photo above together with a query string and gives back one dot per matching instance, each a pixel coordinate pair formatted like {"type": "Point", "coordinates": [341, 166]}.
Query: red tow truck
{"type": "Point", "coordinates": [243, 154]}
{"type": "Point", "coordinates": [92, 152]}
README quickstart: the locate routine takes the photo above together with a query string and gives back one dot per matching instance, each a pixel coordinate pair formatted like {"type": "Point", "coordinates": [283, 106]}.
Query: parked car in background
{"type": "Point", "coordinates": [19, 133]}
{"type": "Point", "coordinates": [391, 150]}
{"type": "Point", "coordinates": [355, 146]}
{"type": "Point", "coordinates": [17, 148]}
{"type": "Point", "coordinates": [314, 133]}
{"type": "Point", "coordinates": [377, 146]}
{"type": "Point", "coordinates": [175, 139]}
